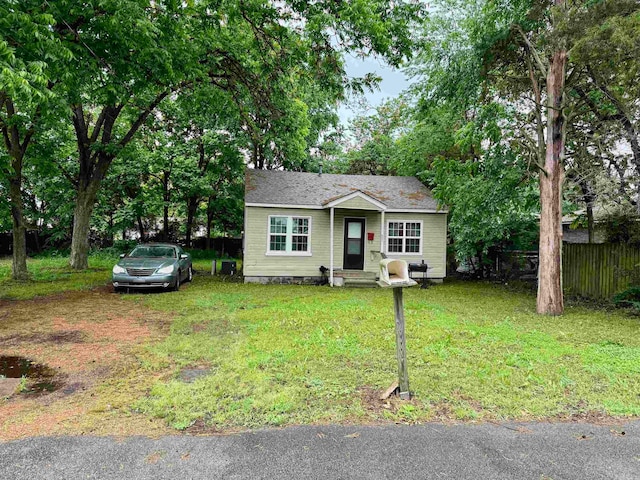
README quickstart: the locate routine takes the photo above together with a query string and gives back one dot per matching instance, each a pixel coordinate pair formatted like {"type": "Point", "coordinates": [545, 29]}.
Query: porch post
{"type": "Point", "coordinates": [331, 247]}
{"type": "Point", "coordinates": [382, 231]}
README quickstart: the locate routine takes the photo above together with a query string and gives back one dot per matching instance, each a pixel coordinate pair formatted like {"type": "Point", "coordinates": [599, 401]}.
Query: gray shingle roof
{"type": "Point", "coordinates": [274, 187]}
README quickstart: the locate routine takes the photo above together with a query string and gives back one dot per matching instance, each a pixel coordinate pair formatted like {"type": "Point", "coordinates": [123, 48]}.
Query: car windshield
{"type": "Point", "coordinates": [153, 252]}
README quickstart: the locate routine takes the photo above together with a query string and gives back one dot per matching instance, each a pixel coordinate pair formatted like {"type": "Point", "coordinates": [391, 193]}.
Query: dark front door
{"type": "Point", "coordinates": [353, 244]}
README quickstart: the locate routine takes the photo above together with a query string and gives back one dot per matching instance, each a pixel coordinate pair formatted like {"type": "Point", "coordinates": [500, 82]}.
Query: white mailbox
{"type": "Point", "coordinates": [395, 273]}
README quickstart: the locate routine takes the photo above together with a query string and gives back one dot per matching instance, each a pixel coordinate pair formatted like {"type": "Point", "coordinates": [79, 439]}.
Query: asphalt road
{"type": "Point", "coordinates": [433, 451]}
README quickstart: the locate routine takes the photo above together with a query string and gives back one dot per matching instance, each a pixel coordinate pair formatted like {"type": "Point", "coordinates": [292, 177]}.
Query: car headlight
{"type": "Point", "coordinates": [165, 270]}
{"type": "Point", "coordinates": [118, 269]}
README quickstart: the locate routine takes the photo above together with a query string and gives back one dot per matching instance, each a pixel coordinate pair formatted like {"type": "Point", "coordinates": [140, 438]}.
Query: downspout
{"type": "Point", "coordinates": [331, 247]}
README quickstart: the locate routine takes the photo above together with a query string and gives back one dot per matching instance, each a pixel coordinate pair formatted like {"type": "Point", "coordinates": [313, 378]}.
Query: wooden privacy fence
{"type": "Point", "coordinates": [599, 270]}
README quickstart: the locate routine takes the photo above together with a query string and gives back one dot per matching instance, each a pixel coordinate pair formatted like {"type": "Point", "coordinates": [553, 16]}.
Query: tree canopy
{"type": "Point", "coordinates": [145, 113]}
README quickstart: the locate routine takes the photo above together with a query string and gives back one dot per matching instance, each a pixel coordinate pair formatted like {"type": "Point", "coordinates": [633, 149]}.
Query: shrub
{"type": "Point", "coordinates": [622, 227]}
{"type": "Point", "coordinates": [629, 298]}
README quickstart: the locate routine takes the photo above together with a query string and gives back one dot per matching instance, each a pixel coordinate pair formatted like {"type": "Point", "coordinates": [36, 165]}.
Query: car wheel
{"type": "Point", "coordinates": [176, 287]}
{"type": "Point", "coordinates": [118, 289]}
{"type": "Point", "coordinates": [189, 274]}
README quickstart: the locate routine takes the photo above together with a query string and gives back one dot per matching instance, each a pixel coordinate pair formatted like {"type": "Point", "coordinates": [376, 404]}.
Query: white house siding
{"type": "Point", "coordinates": [357, 204]}
{"type": "Point", "coordinates": [371, 224]}
{"type": "Point", "coordinates": [434, 241]}
{"type": "Point", "coordinates": [257, 264]}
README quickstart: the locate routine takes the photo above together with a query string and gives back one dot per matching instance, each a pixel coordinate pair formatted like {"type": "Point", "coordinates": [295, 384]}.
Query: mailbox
{"type": "Point", "coordinates": [370, 236]}
{"type": "Point", "coordinates": [395, 273]}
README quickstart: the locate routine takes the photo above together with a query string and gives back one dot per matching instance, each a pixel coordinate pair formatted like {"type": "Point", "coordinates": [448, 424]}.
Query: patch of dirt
{"type": "Point", "coordinates": [71, 336]}
{"type": "Point", "coordinates": [471, 402]}
{"type": "Point", "coordinates": [93, 341]}
{"type": "Point", "coordinates": [592, 417]}
{"type": "Point", "coordinates": [191, 374]}
{"type": "Point", "coordinates": [444, 411]}
{"type": "Point", "coordinates": [119, 328]}
{"type": "Point", "coordinates": [154, 457]}
{"type": "Point", "coordinates": [370, 399]}
{"type": "Point", "coordinates": [201, 428]}
{"type": "Point", "coordinates": [8, 386]}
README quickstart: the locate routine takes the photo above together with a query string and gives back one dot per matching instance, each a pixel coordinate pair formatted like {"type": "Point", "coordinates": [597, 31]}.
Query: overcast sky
{"type": "Point", "coordinates": [393, 83]}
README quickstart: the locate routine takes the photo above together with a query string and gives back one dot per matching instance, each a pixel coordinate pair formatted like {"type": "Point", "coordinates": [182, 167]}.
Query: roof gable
{"type": "Point", "coordinates": [343, 201]}
{"type": "Point", "coordinates": [312, 190]}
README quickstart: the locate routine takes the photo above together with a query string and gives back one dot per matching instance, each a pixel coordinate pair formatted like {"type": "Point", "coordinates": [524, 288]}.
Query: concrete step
{"type": "Point", "coordinates": [360, 282]}
{"type": "Point", "coordinates": [354, 274]}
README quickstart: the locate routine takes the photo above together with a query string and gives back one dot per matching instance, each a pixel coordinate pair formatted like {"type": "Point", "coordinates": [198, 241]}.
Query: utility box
{"type": "Point", "coordinates": [228, 268]}
{"type": "Point", "coordinates": [395, 273]}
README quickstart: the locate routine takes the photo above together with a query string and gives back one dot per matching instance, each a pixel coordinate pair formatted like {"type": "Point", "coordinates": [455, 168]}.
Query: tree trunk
{"type": "Point", "coordinates": [16, 151]}
{"type": "Point", "coordinates": [192, 206]}
{"type": "Point", "coordinates": [36, 240]}
{"type": "Point", "coordinates": [590, 226]}
{"type": "Point", "coordinates": [550, 300]}
{"type": "Point", "coordinates": [589, 199]}
{"type": "Point", "coordinates": [85, 201]}
{"type": "Point", "coordinates": [165, 220]}
{"type": "Point", "coordinates": [632, 137]}
{"type": "Point", "coordinates": [140, 228]}
{"type": "Point", "coordinates": [110, 235]}
{"type": "Point", "coordinates": [94, 164]}
{"type": "Point", "coordinates": [209, 222]}
{"type": "Point", "coordinates": [166, 198]}
{"type": "Point", "coordinates": [19, 262]}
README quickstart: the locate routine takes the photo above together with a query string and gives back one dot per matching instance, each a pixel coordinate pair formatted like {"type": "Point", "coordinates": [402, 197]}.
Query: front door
{"type": "Point", "coordinates": [353, 244]}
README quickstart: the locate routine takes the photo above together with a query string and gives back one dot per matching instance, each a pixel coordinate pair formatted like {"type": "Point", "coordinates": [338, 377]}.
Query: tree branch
{"type": "Point", "coordinates": [3, 98]}
{"type": "Point", "coordinates": [541, 146]}
{"type": "Point", "coordinates": [541, 66]}
{"type": "Point", "coordinates": [12, 130]}
{"type": "Point", "coordinates": [65, 173]}
{"type": "Point", "coordinates": [98, 125]}
{"type": "Point", "coordinates": [142, 117]}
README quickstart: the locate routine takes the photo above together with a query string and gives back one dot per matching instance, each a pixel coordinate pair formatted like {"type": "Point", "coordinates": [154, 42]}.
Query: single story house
{"type": "Point", "coordinates": [296, 222]}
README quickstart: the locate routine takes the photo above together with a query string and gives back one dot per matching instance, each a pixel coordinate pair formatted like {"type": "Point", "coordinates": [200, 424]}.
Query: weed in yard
{"type": "Point", "coordinates": [22, 386]}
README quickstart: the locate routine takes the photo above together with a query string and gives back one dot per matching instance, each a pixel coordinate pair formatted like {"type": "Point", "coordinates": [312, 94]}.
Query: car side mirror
{"type": "Point", "coordinates": [122, 255]}
{"type": "Point", "coordinates": [183, 256]}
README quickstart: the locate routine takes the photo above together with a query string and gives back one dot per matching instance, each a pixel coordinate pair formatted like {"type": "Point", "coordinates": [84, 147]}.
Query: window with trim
{"type": "Point", "coordinates": [404, 237]}
{"type": "Point", "coordinates": [289, 235]}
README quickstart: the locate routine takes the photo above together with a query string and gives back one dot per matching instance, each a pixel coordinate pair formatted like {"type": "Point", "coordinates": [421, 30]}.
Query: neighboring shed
{"type": "Point", "coordinates": [296, 222]}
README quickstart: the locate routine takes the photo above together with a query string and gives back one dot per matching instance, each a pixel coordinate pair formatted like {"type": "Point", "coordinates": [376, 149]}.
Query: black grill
{"type": "Point", "coordinates": [140, 272]}
{"type": "Point", "coordinates": [419, 268]}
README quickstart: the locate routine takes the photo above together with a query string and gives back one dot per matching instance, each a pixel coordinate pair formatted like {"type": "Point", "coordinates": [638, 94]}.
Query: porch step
{"type": "Point", "coordinates": [354, 274]}
{"type": "Point", "coordinates": [360, 282]}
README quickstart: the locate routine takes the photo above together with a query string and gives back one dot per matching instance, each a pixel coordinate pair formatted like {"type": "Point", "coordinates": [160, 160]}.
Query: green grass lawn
{"type": "Point", "coordinates": [283, 355]}
{"type": "Point", "coordinates": [52, 274]}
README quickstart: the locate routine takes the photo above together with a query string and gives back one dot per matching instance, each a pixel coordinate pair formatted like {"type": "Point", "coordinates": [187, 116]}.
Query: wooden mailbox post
{"type": "Point", "coordinates": [395, 274]}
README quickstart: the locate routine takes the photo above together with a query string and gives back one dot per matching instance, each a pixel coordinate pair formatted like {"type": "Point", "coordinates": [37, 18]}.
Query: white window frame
{"type": "Point", "coordinates": [289, 234]}
{"type": "Point", "coordinates": [403, 237]}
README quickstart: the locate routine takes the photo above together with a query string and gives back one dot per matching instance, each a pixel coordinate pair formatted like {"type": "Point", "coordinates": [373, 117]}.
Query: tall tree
{"type": "Point", "coordinates": [550, 298]}
{"type": "Point", "coordinates": [29, 53]}
{"type": "Point", "coordinates": [130, 55]}
{"type": "Point", "coordinates": [521, 54]}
